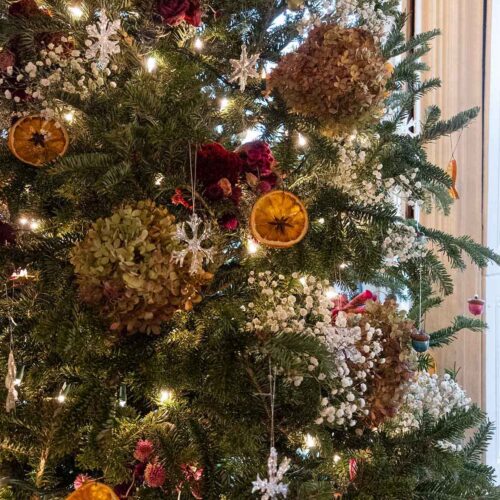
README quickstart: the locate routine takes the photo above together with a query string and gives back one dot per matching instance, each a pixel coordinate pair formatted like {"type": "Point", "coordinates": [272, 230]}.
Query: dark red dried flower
{"type": "Point", "coordinates": [178, 199]}
{"type": "Point", "coordinates": [229, 222]}
{"type": "Point", "coordinates": [219, 171]}
{"type": "Point", "coordinates": [257, 158]}
{"type": "Point", "coordinates": [173, 12]}
{"type": "Point", "coordinates": [26, 8]}
{"type": "Point", "coordinates": [7, 59]}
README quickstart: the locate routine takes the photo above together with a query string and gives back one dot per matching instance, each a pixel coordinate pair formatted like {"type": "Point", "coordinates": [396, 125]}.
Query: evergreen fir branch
{"type": "Point", "coordinates": [438, 129]}
{"type": "Point", "coordinates": [445, 336]}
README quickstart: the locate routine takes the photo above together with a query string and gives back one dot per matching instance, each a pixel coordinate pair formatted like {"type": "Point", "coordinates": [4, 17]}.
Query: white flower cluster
{"type": "Point", "coordinates": [402, 244]}
{"type": "Point", "coordinates": [59, 67]}
{"type": "Point", "coordinates": [365, 13]}
{"type": "Point", "coordinates": [303, 306]}
{"type": "Point", "coordinates": [354, 177]}
{"type": "Point", "coordinates": [437, 396]}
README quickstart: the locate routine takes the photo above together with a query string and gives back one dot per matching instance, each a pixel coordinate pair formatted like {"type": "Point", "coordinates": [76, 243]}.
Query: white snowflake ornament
{"type": "Point", "coordinates": [273, 487]}
{"type": "Point", "coordinates": [10, 384]}
{"type": "Point", "coordinates": [407, 128]}
{"type": "Point", "coordinates": [244, 68]}
{"type": "Point", "coordinates": [194, 243]}
{"type": "Point", "coordinates": [102, 47]}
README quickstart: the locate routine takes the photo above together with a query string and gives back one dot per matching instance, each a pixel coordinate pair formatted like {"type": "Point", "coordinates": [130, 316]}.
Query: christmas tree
{"type": "Point", "coordinates": [209, 218]}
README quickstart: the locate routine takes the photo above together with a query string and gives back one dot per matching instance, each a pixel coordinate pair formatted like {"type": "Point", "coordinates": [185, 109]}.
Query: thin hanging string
{"type": "Point", "coordinates": [420, 289]}
{"type": "Point", "coordinates": [10, 318]}
{"type": "Point", "coordinates": [454, 149]}
{"type": "Point", "coordinates": [272, 393]}
{"type": "Point", "coordinates": [192, 173]}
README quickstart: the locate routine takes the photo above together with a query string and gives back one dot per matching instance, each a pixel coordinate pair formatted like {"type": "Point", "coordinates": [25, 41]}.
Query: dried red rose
{"type": "Point", "coordinates": [173, 12]}
{"type": "Point", "coordinates": [218, 171]}
{"type": "Point", "coordinates": [26, 8]}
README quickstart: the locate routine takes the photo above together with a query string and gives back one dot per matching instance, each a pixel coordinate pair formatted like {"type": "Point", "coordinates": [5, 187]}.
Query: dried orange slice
{"type": "Point", "coordinates": [93, 491]}
{"type": "Point", "coordinates": [279, 220]}
{"type": "Point", "coordinates": [37, 141]}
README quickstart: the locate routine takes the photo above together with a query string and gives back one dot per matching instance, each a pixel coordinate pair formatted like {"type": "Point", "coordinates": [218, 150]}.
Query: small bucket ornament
{"type": "Point", "coordinates": [476, 305]}
{"type": "Point", "coordinates": [420, 341]}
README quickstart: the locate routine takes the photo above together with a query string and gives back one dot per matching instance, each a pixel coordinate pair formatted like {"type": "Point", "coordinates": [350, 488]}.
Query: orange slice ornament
{"type": "Point", "coordinates": [93, 491]}
{"type": "Point", "coordinates": [37, 141]}
{"type": "Point", "coordinates": [279, 220]}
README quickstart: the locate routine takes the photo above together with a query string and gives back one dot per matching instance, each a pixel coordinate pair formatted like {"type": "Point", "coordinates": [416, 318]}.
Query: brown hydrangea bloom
{"type": "Point", "coordinates": [338, 76]}
{"type": "Point", "coordinates": [124, 265]}
{"type": "Point", "coordinates": [387, 388]}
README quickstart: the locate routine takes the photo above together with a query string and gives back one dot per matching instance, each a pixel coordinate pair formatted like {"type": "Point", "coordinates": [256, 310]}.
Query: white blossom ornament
{"type": "Point", "coordinates": [102, 47]}
{"type": "Point", "coordinates": [10, 384]}
{"type": "Point", "coordinates": [194, 244]}
{"type": "Point", "coordinates": [244, 68]}
{"type": "Point", "coordinates": [273, 487]}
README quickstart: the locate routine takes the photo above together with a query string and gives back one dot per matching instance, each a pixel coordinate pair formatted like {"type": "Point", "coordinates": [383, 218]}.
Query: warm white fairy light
{"type": "Point", "coordinates": [303, 281]}
{"type": "Point", "coordinates": [321, 220]}
{"type": "Point", "coordinates": [198, 43]}
{"type": "Point", "coordinates": [23, 221]}
{"type": "Point", "coordinates": [224, 103]}
{"type": "Point", "coordinates": [166, 396]}
{"type": "Point", "coordinates": [331, 293]}
{"type": "Point", "coordinates": [23, 273]}
{"type": "Point", "coordinates": [159, 178]}
{"type": "Point", "coordinates": [336, 458]}
{"type": "Point", "coordinates": [252, 246]}
{"type": "Point", "coordinates": [151, 64]}
{"type": "Point", "coordinates": [69, 116]}
{"type": "Point", "coordinates": [344, 265]}
{"type": "Point", "coordinates": [61, 398]}
{"type": "Point", "coordinates": [75, 11]}
{"type": "Point", "coordinates": [310, 441]}
{"type": "Point", "coordinates": [34, 225]}
{"type": "Point", "coordinates": [301, 140]}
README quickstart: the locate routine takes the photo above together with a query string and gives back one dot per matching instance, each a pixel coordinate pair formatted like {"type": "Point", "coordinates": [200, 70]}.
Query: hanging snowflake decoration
{"type": "Point", "coordinates": [244, 68]}
{"type": "Point", "coordinates": [10, 384]}
{"type": "Point", "coordinates": [407, 128]}
{"type": "Point", "coordinates": [195, 244]}
{"type": "Point", "coordinates": [273, 487]}
{"type": "Point", "coordinates": [102, 47]}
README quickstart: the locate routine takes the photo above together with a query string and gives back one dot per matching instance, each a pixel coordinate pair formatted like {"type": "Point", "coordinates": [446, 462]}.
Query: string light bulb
{"type": "Point", "coordinates": [331, 293]}
{"type": "Point", "coordinates": [301, 140]}
{"type": "Point", "coordinates": [122, 396]}
{"type": "Point", "coordinates": [321, 220]}
{"type": "Point", "coordinates": [69, 116]}
{"type": "Point", "coordinates": [344, 265]}
{"type": "Point", "coordinates": [224, 103]}
{"type": "Point", "coordinates": [252, 246]}
{"type": "Point", "coordinates": [23, 221]}
{"type": "Point", "coordinates": [310, 441]}
{"type": "Point", "coordinates": [76, 11]}
{"type": "Point", "coordinates": [198, 43]}
{"type": "Point", "coordinates": [61, 398]}
{"type": "Point", "coordinates": [151, 64]}
{"type": "Point", "coordinates": [336, 458]}
{"type": "Point", "coordinates": [34, 225]}
{"type": "Point", "coordinates": [303, 281]}
{"type": "Point", "coordinates": [166, 396]}
{"type": "Point", "coordinates": [19, 376]}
